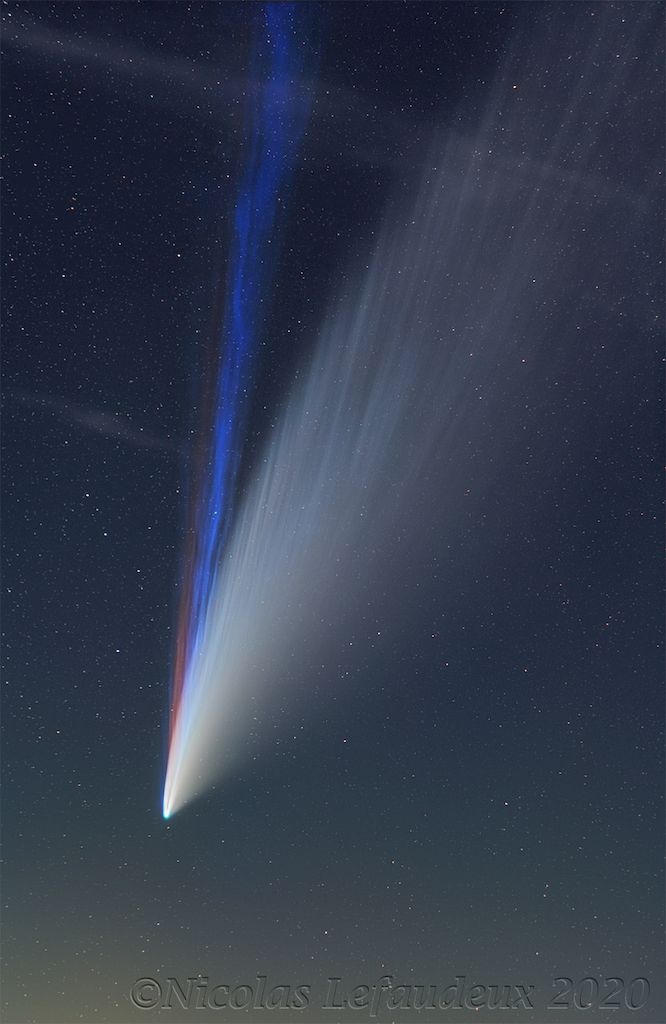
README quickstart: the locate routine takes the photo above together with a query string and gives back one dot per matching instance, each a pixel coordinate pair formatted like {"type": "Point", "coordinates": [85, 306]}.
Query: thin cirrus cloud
{"type": "Point", "coordinates": [351, 125]}
{"type": "Point", "coordinates": [111, 425]}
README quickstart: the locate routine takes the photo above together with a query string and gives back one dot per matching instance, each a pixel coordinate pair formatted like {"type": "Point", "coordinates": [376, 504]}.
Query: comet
{"type": "Point", "coordinates": [409, 401]}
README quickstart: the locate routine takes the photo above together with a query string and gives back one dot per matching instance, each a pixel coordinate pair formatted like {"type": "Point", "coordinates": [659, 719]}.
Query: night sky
{"type": "Point", "coordinates": [424, 699]}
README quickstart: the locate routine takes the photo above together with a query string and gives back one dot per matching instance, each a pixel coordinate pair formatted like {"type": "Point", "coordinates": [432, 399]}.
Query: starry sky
{"type": "Point", "coordinates": [458, 770]}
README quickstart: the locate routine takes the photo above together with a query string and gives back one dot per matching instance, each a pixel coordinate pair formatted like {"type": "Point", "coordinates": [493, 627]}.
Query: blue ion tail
{"type": "Point", "coordinates": [276, 119]}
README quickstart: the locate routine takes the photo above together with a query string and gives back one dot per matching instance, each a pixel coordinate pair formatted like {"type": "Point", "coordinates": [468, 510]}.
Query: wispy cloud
{"type": "Point", "coordinates": [344, 121]}
{"type": "Point", "coordinates": [107, 424]}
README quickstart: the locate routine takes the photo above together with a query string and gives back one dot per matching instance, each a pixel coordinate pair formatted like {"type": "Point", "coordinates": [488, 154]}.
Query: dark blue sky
{"type": "Point", "coordinates": [481, 791]}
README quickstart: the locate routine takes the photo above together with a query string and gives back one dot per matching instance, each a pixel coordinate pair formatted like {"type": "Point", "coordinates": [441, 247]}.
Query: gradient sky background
{"type": "Point", "coordinates": [476, 786]}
